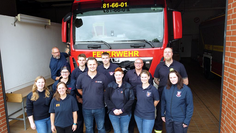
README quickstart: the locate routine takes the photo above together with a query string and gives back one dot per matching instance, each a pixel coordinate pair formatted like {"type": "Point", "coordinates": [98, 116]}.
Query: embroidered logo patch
{"type": "Point", "coordinates": [178, 94]}
{"type": "Point", "coordinates": [98, 82]}
{"type": "Point", "coordinates": [58, 105]}
{"type": "Point", "coordinates": [148, 93]}
{"type": "Point", "coordinates": [69, 88]}
{"type": "Point", "coordinates": [111, 73]}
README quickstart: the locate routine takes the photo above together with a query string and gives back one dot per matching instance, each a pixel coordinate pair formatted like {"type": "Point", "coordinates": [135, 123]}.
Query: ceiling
{"type": "Point", "coordinates": [56, 9]}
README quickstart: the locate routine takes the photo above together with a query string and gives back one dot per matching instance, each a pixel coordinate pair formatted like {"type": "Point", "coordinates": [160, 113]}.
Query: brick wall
{"type": "Point", "coordinates": [228, 114]}
{"type": "Point", "coordinates": [3, 124]}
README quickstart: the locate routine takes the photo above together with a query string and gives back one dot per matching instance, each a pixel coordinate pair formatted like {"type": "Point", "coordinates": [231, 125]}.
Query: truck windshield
{"type": "Point", "coordinates": [120, 28]}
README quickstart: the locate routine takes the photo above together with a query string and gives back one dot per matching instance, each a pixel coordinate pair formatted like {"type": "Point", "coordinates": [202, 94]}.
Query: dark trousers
{"type": "Point", "coordinates": [175, 127]}
{"type": "Point", "coordinates": [64, 130]}
{"type": "Point", "coordinates": [80, 120]}
{"type": "Point", "coordinates": [132, 120]}
{"type": "Point", "coordinates": [158, 121]}
{"type": "Point", "coordinates": [107, 123]}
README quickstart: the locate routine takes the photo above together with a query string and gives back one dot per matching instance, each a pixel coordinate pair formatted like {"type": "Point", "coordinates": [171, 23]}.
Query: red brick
{"type": "Point", "coordinates": [227, 53]}
{"type": "Point", "coordinates": [233, 44]}
{"type": "Point", "coordinates": [232, 49]}
{"type": "Point", "coordinates": [230, 70]}
{"type": "Point", "coordinates": [232, 76]}
{"type": "Point", "coordinates": [232, 66]}
{"type": "Point", "coordinates": [229, 5]}
{"type": "Point", "coordinates": [233, 4]}
{"type": "Point", "coordinates": [228, 28]}
{"type": "Point", "coordinates": [233, 27]}
{"type": "Point", "coordinates": [233, 55]}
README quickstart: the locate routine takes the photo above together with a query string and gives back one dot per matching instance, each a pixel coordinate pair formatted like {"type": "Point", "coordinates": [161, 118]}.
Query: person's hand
{"type": "Point", "coordinates": [74, 127]}
{"type": "Point", "coordinates": [33, 126]}
{"type": "Point", "coordinates": [163, 119]}
{"type": "Point", "coordinates": [80, 100]}
{"type": "Point", "coordinates": [120, 111]}
{"type": "Point", "coordinates": [184, 125]}
{"type": "Point", "coordinates": [53, 128]}
{"type": "Point", "coordinates": [116, 112]}
{"type": "Point", "coordinates": [58, 77]}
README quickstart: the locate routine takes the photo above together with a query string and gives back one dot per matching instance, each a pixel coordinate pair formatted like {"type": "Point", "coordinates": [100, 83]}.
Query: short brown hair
{"type": "Point", "coordinates": [92, 58]}
{"type": "Point", "coordinates": [82, 55]}
{"type": "Point", "coordinates": [179, 83]}
{"type": "Point", "coordinates": [105, 53]}
{"type": "Point", "coordinates": [57, 95]}
{"type": "Point", "coordinates": [118, 69]}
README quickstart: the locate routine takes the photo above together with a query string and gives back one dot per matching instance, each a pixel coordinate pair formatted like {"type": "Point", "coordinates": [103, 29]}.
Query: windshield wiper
{"type": "Point", "coordinates": [136, 41]}
{"type": "Point", "coordinates": [107, 44]}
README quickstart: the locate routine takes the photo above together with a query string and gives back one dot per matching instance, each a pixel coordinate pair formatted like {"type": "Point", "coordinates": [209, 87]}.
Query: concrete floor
{"type": "Point", "coordinates": [206, 96]}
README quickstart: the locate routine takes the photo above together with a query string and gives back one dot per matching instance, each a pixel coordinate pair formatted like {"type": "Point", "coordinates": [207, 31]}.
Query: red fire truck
{"type": "Point", "coordinates": [126, 29]}
{"type": "Point", "coordinates": [212, 40]}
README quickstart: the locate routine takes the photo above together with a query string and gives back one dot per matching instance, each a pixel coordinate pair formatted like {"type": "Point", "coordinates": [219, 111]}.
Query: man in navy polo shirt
{"type": "Point", "coordinates": [91, 86]}
{"type": "Point", "coordinates": [81, 69]}
{"type": "Point", "coordinates": [58, 60]}
{"type": "Point", "coordinates": [133, 77]}
{"type": "Point", "coordinates": [161, 77]}
{"type": "Point", "coordinates": [75, 74]}
{"type": "Point", "coordinates": [108, 69]}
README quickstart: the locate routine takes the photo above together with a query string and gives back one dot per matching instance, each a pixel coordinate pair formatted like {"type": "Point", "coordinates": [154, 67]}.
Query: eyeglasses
{"type": "Point", "coordinates": [64, 72]}
{"type": "Point", "coordinates": [138, 62]}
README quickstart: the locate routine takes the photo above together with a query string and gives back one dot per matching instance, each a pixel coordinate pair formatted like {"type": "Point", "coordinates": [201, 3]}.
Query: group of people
{"type": "Point", "coordinates": [113, 99]}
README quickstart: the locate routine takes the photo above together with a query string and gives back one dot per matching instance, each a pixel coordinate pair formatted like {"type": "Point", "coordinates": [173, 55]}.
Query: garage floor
{"type": "Point", "coordinates": [206, 96]}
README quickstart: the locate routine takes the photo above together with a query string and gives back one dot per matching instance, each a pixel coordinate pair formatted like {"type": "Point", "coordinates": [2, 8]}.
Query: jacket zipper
{"type": "Point", "coordinates": [171, 102]}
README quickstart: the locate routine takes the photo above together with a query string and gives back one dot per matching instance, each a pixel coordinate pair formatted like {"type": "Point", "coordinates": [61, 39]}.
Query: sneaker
{"type": "Point", "coordinates": [157, 131]}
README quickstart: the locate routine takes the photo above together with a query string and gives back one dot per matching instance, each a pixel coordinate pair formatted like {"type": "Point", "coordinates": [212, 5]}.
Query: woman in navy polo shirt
{"type": "Point", "coordinates": [176, 104]}
{"type": "Point", "coordinates": [70, 83]}
{"type": "Point", "coordinates": [63, 110]}
{"type": "Point", "coordinates": [119, 98]}
{"type": "Point", "coordinates": [37, 105]}
{"type": "Point", "coordinates": [147, 99]}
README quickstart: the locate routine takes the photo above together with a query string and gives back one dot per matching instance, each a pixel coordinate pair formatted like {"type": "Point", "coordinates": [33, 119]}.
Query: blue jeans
{"type": "Point", "coordinates": [43, 126]}
{"type": "Point", "coordinates": [89, 115]}
{"type": "Point", "coordinates": [175, 127]}
{"type": "Point", "coordinates": [120, 123]}
{"type": "Point", "coordinates": [144, 125]}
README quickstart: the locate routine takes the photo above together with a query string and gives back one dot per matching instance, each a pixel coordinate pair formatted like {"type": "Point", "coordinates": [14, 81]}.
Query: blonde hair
{"type": "Point", "coordinates": [35, 94]}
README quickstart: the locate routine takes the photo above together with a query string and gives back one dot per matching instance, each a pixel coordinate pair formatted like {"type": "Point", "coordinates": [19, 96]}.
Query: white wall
{"type": "Point", "coordinates": [26, 52]}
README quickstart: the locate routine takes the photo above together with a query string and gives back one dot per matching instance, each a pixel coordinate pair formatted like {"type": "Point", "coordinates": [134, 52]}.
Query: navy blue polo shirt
{"type": "Point", "coordinates": [162, 72]}
{"type": "Point", "coordinates": [93, 90]}
{"type": "Point", "coordinates": [63, 110]}
{"type": "Point", "coordinates": [145, 102]}
{"type": "Point", "coordinates": [117, 98]}
{"type": "Point", "coordinates": [56, 65]}
{"type": "Point", "coordinates": [76, 72]}
{"type": "Point", "coordinates": [108, 72]}
{"type": "Point", "coordinates": [134, 79]}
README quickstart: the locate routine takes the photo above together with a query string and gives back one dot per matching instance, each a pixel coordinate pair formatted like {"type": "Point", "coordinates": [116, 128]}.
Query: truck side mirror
{"type": "Point", "coordinates": [64, 31]}
{"type": "Point", "coordinates": [64, 27]}
{"type": "Point", "coordinates": [177, 24]}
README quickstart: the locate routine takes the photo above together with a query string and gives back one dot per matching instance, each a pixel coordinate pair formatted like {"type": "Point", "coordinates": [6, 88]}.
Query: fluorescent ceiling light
{"type": "Point", "coordinates": [32, 19]}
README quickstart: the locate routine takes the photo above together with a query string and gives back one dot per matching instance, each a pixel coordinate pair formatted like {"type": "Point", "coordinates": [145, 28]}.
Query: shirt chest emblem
{"type": "Point", "coordinates": [178, 94]}
{"type": "Point", "coordinates": [98, 82]}
{"type": "Point", "coordinates": [58, 105]}
{"type": "Point", "coordinates": [111, 73]}
{"type": "Point", "coordinates": [148, 94]}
